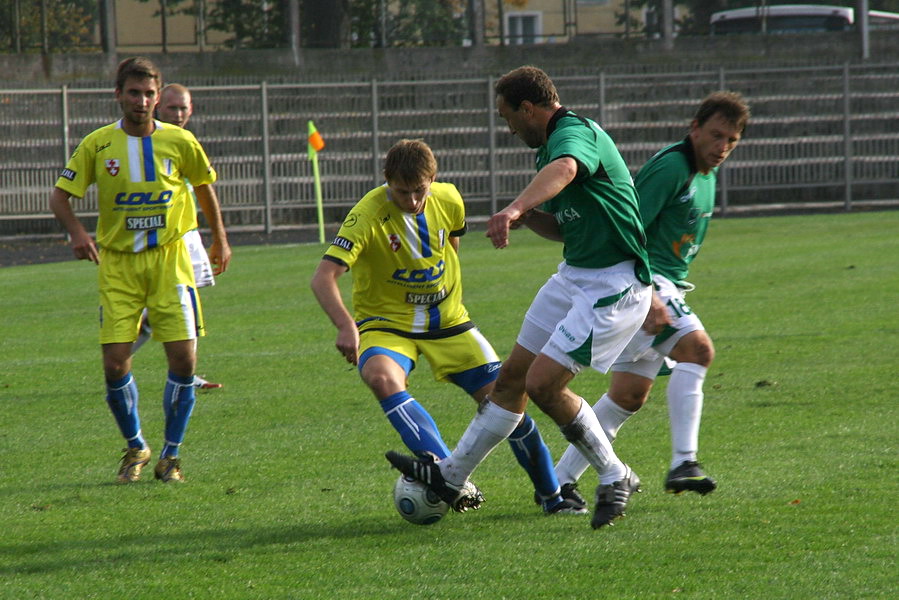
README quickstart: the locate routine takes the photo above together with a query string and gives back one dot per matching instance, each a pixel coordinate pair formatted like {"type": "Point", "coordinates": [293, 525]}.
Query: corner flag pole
{"type": "Point", "coordinates": [314, 144]}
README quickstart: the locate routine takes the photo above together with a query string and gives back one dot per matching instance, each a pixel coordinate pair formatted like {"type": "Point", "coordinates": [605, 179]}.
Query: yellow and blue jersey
{"type": "Point", "coordinates": [406, 275]}
{"type": "Point", "coordinates": [144, 198]}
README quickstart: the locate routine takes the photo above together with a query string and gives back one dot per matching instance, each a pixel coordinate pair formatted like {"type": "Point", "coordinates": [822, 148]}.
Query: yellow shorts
{"type": "Point", "coordinates": [447, 356]}
{"type": "Point", "coordinates": [160, 279]}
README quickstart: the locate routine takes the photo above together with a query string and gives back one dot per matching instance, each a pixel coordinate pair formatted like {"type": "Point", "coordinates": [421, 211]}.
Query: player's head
{"type": "Point", "coordinates": [526, 98]}
{"type": "Point", "coordinates": [137, 90]}
{"type": "Point", "coordinates": [175, 105]}
{"type": "Point", "coordinates": [717, 128]}
{"type": "Point", "coordinates": [527, 83]}
{"type": "Point", "coordinates": [410, 168]}
{"type": "Point", "coordinates": [730, 105]}
{"type": "Point", "coordinates": [138, 67]}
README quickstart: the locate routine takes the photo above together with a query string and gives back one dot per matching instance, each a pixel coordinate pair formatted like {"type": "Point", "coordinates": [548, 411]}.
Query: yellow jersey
{"type": "Point", "coordinates": [144, 198]}
{"type": "Point", "coordinates": [406, 275]}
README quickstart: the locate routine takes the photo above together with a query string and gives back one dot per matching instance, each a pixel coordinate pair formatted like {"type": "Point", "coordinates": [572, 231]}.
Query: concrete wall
{"type": "Point", "coordinates": [315, 64]}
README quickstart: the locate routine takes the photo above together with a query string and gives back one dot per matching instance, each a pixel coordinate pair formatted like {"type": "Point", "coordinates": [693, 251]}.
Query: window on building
{"type": "Point", "coordinates": [524, 27]}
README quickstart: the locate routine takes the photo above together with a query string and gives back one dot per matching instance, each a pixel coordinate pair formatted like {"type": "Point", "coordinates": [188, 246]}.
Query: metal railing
{"type": "Point", "coordinates": [818, 136]}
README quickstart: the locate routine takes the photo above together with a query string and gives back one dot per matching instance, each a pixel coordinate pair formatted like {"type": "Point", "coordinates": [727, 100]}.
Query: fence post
{"type": "Point", "coordinates": [266, 159]}
{"type": "Point", "coordinates": [602, 100]}
{"type": "Point", "coordinates": [491, 144]}
{"type": "Point", "coordinates": [64, 101]}
{"type": "Point", "coordinates": [375, 133]}
{"type": "Point", "coordinates": [847, 141]}
{"type": "Point", "coordinates": [722, 172]}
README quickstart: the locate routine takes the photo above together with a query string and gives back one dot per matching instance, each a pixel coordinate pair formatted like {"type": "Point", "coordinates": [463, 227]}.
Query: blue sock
{"type": "Point", "coordinates": [177, 404]}
{"type": "Point", "coordinates": [121, 396]}
{"type": "Point", "coordinates": [533, 455]}
{"type": "Point", "coordinates": [415, 426]}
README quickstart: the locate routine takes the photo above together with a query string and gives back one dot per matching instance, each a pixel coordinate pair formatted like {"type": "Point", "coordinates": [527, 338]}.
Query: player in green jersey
{"type": "Point", "coordinates": [585, 314]}
{"type": "Point", "coordinates": [677, 198]}
{"type": "Point", "coordinates": [401, 241]}
{"type": "Point", "coordinates": [141, 167]}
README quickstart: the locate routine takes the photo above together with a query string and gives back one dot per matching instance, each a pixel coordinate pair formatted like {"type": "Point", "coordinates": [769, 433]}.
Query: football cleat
{"type": "Point", "coordinates": [169, 469]}
{"type": "Point", "coordinates": [133, 463]}
{"type": "Point", "coordinates": [571, 496]}
{"type": "Point", "coordinates": [425, 470]}
{"type": "Point", "coordinates": [611, 499]}
{"type": "Point", "coordinates": [566, 507]}
{"type": "Point", "coordinates": [688, 477]}
{"type": "Point", "coordinates": [202, 384]}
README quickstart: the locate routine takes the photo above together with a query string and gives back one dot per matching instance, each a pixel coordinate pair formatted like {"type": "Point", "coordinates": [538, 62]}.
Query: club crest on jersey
{"type": "Point", "coordinates": [395, 244]}
{"type": "Point", "coordinates": [112, 166]}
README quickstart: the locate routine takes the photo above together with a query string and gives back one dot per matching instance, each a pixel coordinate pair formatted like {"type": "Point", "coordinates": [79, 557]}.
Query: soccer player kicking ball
{"type": "Point", "coordinates": [141, 167]}
{"type": "Point", "coordinates": [585, 314]}
{"type": "Point", "coordinates": [401, 241]}
{"type": "Point", "coordinates": [175, 107]}
{"type": "Point", "coordinates": [677, 198]}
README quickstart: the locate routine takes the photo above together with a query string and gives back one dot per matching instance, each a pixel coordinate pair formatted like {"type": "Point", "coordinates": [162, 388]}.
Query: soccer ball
{"type": "Point", "coordinates": [416, 503]}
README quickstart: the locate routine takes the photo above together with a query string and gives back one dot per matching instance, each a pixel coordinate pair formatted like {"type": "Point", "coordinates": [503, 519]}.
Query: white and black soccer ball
{"type": "Point", "coordinates": [416, 503]}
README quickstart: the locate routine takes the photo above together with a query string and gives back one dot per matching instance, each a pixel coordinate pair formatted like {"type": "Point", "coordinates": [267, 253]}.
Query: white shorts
{"type": "Point", "coordinates": [645, 353]}
{"type": "Point", "coordinates": [585, 317]}
{"type": "Point", "coordinates": [200, 260]}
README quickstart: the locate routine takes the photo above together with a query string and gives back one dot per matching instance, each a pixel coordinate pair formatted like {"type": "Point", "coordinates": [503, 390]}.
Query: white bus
{"type": "Point", "coordinates": [796, 18]}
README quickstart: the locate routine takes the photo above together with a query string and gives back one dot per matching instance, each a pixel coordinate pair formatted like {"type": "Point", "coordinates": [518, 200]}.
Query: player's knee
{"type": "Point", "coordinates": [695, 348]}
{"type": "Point", "coordinates": [630, 400]}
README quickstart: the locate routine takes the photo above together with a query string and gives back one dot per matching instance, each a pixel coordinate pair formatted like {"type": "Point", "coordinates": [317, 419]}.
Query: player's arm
{"type": "Point", "coordinates": [324, 286]}
{"type": "Point", "coordinates": [220, 251]}
{"type": "Point", "coordinates": [83, 245]}
{"type": "Point", "coordinates": [547, 184]}
{"type": "Point", "coordinates": [540, 222]}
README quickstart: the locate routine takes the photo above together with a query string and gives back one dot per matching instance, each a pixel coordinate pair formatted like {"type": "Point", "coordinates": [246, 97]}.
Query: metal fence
{"type": "Point", "coordinates": [822, 136]}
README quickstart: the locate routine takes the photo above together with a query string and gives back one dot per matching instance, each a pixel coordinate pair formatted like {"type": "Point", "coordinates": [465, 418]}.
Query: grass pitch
{"type": "Point", "coordinates": [288, 493]}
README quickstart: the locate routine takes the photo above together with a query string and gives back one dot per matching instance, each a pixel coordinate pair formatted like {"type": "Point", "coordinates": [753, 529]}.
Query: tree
{"type": "Point", "coordinates": [48, 24]}
{"type": "Point", "coordinates": [252, 23]}
{"type": "Point", "coordinates": [409, 22]}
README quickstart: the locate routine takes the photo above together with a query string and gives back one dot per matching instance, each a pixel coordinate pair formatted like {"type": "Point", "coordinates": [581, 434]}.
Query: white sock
{"type": "Point", "coordinates": [685, 410]}
{"type": "Point", "coordinates": [491, 425]}
{"type": "Point", "coordinates": [611, 417]}
{"type": "Point", "coordinates": [586, 434]}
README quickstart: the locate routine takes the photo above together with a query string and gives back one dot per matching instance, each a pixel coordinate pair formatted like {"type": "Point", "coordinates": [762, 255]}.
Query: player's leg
{"type": "Point", "coordinates": [694, 354]}
{"type": "Point", "coordinates": [385, 361]}
{"type": "Point", "coordinates": [608, 308]}
{"type": "Point", "coordinates": [627, 393]}
{"type": "Point", "coordinates": [177, 317]}
{"type": "Point", "coordinates": [204, 277]}
{"type": "Point", "coordinates": [474, 367]}
{"type": "Point", "coordinates": [177, 404]}
{"type": "Point", "coordinates": [491, 425]}
{"type": "Point", "coordinates": [121, 302]}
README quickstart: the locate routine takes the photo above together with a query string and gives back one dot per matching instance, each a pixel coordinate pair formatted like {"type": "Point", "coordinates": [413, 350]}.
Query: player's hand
{"type": "Point", "coordinates": [499, 225]}
{"type": "Point", "coordinates": [219, 257]}
{"type": "Point", "coordinates": [657, 318]}
{"type": "Point", "coordinates": [84, 248]}
{"type": "Point", "coordinates": [348, 344]}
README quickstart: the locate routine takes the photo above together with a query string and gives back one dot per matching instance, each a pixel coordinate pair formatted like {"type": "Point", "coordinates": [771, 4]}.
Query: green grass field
{"type": "Point", "coordinates": [289, 496]}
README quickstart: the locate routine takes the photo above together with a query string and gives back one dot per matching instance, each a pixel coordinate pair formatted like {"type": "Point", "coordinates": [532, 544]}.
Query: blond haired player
{"type": "Point", "coordinates": [175, 107]}
{"type": "Point", "coordinates": [401, 242]}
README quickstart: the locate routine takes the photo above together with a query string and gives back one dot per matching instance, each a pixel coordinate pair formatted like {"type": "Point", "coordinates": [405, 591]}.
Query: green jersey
{"type": "Point", "coordinates": [676, 203]}
{"type": "Point", "coordinates": [597, 213]}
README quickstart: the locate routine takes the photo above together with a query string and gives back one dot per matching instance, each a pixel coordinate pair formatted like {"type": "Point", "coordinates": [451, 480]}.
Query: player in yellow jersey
{"type": "Point", "coordinates": [401, 242]}
{"type": "Point", "coordinates": [141, 167]}
{"type": "Point", "coordinates": [176, 107]}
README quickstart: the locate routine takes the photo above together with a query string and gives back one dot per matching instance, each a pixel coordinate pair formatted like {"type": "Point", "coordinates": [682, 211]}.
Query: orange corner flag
{"type": "Point", "coordinates": [315, 142]}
